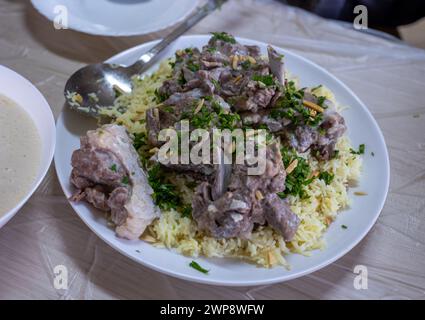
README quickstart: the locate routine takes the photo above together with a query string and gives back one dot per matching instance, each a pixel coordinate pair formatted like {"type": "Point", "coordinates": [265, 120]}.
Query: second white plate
{"type": "Point", "coordinates": [117, 17]}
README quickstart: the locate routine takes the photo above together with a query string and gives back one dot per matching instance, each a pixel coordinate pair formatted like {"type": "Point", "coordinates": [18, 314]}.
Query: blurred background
{"type": "Point", "coordinates": [403, 19]}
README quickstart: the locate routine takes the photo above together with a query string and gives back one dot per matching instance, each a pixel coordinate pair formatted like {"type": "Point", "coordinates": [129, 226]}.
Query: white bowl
{"type": "Point", "coordinates": [27, 96]}
{"type": "Point", "coordinates": [359, 217]}
{"type": "Point", "coordinates": [117, 18]}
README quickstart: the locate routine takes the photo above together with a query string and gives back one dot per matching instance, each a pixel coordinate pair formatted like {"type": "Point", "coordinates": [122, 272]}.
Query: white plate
{"type": "Point", "coordinates": [27, 96]}
{"type": "Point", "coordinates": [117, 17]}
{"type": "Point", "coordinates": [359, 218]}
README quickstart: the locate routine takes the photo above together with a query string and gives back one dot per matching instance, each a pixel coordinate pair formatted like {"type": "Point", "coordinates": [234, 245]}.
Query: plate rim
{"type": "Point", "coordinates": [283, 277]}
{"type": "Point", "coordinates": [79, 27]}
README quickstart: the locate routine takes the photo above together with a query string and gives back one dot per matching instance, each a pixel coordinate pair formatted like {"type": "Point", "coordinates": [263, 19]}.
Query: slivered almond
{"type": "Point", "coordinates": [148, 238]}
{"type": "Point", "coordinates": [313, 106]}
{"type": "Point", "coordinates": [238, 79]}
{"type": "Point", "coordinates": [313, 113]}
{"type": "Point", "coordinates": [314, 174]}
{"type": "Point", "coordinates": [271, 258]}
{"type": "Point", "coordinates": [153, 150]}
{"type": "Point", "coordinates": [360, 193]}
{"type": "Point", "coordinates": [292, 166]}
{"type": "Point", "coordinates": [329, 220]}
{"type": "Point", "coordinates": [259, 195]}
{"type": "Point", "coordinates": [199, 107]}
{"type": "Point", "coordinates": [235, 62]}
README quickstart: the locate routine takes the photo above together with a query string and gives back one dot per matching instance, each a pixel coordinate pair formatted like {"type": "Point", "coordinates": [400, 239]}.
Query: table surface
{"type": "Point", "coordinates": [388, 76]}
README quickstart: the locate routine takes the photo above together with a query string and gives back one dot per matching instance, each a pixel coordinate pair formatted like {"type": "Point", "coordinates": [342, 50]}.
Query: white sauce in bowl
{"type": "Point", "coordinates": [20, 154]}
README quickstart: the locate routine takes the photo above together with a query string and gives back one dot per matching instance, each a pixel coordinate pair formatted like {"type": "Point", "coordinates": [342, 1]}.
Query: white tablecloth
{"type": "Point", "coordinates": [388, 76]}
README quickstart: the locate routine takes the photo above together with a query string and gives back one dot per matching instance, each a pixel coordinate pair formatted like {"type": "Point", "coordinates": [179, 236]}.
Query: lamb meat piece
{"type": "Point", "coordinates": [280, 217]}
{"type": "Point", "coordinates": [180, 100]}
{"type": "Point", "coordinates": [334, 128]}
{"type": "Point", "coordinates": [222, 175]}
{"type": "Point", "coordinates": [235, 212]}
{"type": "Point", "coordinates": [228, 48]}
{"type": "Point", "coordinates": [226, 217]}
{"type": "Point", "coordinates": [262, 117]}
{"type": "Point", "coordinates": [255, 52]}
{"type": "Point", "coordinates": [213, 59]}
{"type": "Point", "coordinates": [271, 181]}
{"type": "Point", "coordinates": [153, 126]}
{"type": "Point", "coordinates": [202, 80]}
{"type": "Point", "coordinates": [97, 197]}
{"type": "Point", "coordinates": [277, 66]}
{"type": "Point", "coordinates": [180, 70]}
{"type": "Point", "coordinates": [195, 169]}
{"type": "Point", "coordinates": [222, 103]}
{"type": "Point", "coordinates": [233, 85]}
{"type": "Point", "coordinates": [169, 87]}
{"type": "Point", "coordinates": [302, 138]}
{"type": "Point", "coordinates": [117, 184]}
{"type": "Point", "coordinates": [169, 113]}
{"type": "Point", "coordinates": [254, 97]}
{"type": "Point", "coordinates": [116, 202]}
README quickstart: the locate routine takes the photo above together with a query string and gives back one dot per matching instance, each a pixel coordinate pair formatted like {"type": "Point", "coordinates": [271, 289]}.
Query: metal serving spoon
{"type": "Point", "coordinates": [95, 86]}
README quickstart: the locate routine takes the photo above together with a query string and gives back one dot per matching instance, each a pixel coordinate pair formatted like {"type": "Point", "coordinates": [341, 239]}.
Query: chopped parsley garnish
{"type": "Point", "coordinates": [202, 119]}
{"type": "Point", "coordinates": [218, 118]}
{"type": "Point", "coordinates": [290, 106]}
{"type": "Point", "coordinates": [216, 84]}
{"type": "Point", "coordinates": [114, 168]}
{"type": "Point", "coordinates": [212, 49]}
{"type": "Point", "coordinates": [299, 178]}
{"type": "Point", "coordinates": [181, 80]}
{"type": "Point", "coordinates": [187, 212]}
{"type": "Point", "coordinates": [326, 177]}
{"type": "Point", "coordinates": [197, 267]}
{"type": "Point", "coordinates": [139, 140]}
{"type": "Point", "coordinates": [189, 51]}
{"type": "Point", "coordinates": [344, 226]}
{"type": "Point", "coordinates": [160, 97]}
{"type": "Point", "coordinates": [223, 36]}
{"type": "Point", "coordinates": [226, 120]}
{"type": "Point", "coordinates": [165, 195]}
{"type": "Point", "coordinates": [191, 184]}
{"type": "Point", "coordinates": [141, 145]}
{"type": "Point", "coordinates": [267, 80]}
{"type": "Point", "coordinates": [321, 102]}
{"type": "Point", "coordinates": [322, 131]}
{"type": "Point", "coordinates": [125, 180]}
{"type": "Point", "coordinates": [193, 66]}
{"type": "Point", "coordinates": [361, 150]}
{"type": "Point", "coordinates": [168, 109]}
{"type": "Point", "coordinates": [246, 65]}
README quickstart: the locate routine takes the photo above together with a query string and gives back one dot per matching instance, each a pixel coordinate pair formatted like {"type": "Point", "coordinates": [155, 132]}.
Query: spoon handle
{"type": "Point", "coordinates": [147, 59]}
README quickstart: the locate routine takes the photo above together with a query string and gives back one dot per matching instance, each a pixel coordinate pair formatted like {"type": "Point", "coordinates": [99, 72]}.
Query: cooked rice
{"type": "Point", "coordinates": [265, 247]}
